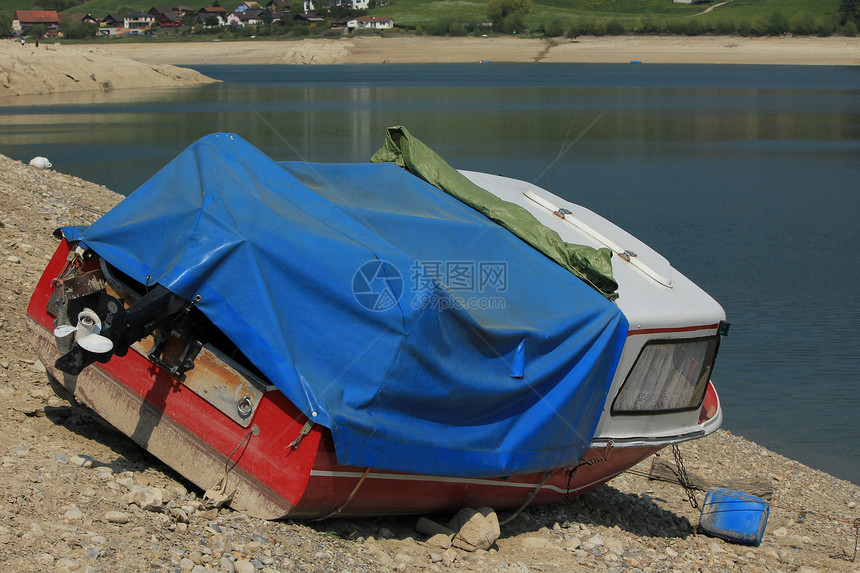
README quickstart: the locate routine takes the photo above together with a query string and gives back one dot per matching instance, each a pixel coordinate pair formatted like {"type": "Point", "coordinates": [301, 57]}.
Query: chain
{"type": "Point", "coordinates": [682, 477]}
{"type": "Point", "coordinates": [572, 472]}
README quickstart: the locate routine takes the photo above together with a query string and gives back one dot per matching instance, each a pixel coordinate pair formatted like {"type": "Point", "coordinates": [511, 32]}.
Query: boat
{"type": "Point", "coordinates": [392, 337]}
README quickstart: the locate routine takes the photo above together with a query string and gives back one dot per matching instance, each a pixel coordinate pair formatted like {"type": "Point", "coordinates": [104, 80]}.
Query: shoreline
{"type": "Point", "coordinates": [65, 68]}
{"type": "Point", "coordinates": [431, 49]}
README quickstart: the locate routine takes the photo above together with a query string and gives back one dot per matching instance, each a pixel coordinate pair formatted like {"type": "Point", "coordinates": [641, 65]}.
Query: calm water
{"type": "Point", "coordinates": [746, 178]}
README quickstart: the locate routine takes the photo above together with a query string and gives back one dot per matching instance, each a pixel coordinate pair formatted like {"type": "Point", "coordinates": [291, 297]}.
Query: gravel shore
{"type": "Point", "coordinates": [71, 491]}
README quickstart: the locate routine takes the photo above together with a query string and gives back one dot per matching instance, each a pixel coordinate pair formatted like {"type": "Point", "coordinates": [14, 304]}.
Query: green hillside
{"type": "Point", "coordinates": [421, 12]}
{"type": "Point", "coordinates": [572, 17]}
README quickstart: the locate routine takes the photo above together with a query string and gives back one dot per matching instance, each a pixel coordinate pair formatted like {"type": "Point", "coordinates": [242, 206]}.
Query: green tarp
{"type": "Point", "coordinates": [589, 264]}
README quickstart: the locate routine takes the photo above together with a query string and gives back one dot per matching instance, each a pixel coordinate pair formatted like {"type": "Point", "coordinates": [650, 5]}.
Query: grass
{"type": "Point", "coordinates": [418, 13]}
{"type": "Point", "coordinates": [413, 13]}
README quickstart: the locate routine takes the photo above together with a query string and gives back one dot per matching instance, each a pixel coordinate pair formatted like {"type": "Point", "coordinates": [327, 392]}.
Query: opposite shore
{"type": "Point", "coordinates": [60, 68]}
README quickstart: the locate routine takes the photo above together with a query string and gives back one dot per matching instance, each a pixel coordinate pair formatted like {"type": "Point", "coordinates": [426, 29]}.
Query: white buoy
{"type": "Point", "coordinates": [40, 162]}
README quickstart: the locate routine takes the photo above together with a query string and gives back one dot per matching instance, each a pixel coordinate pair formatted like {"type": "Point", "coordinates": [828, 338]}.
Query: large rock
{"type": "Point", "coordinates": [475, 528]}
{"type": "Point", "coordinates": [148, 498]}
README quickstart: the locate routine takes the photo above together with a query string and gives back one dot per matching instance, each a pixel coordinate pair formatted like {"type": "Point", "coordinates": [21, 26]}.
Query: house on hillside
{"type": "Point", "coordinates": [121, 24]}
{"type": "Point", "coordinates": [351, 4]}
{"type": "Point", "coordinates": [166, 16]}
{"type": "Point", "coordinates": [308, 18]}
{"type": "Point", "coordinates": [279, 9]}
{"type": "Point", "coordinates": [246, 6]}
{"type": "Point", "coordinates": [212, 16]}
{"type": "Point", "coordinates": [248, 17]}
{"type": "Point", "coordinates": [138, 22]}
{"type": "Point", "coordinates": [370, 23]}
{"type": "Point", "coordinates": [26, 19]}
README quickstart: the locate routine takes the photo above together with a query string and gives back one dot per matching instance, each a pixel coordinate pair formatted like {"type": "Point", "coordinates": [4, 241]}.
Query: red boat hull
{"type": "Point", "coordinates": [268, 475]}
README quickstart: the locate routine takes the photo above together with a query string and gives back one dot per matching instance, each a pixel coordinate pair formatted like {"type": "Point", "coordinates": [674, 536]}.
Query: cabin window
{"type": "Point", "coordinates": [668, 375]}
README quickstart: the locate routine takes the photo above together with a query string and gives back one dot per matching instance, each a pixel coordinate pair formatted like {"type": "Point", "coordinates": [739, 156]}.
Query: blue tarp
{"type": "Point", "coordinates": [427, 338]}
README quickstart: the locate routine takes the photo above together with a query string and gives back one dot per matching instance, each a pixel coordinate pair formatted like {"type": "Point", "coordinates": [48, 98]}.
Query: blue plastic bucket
{"type": "Point", "coordinates": [734, 516]}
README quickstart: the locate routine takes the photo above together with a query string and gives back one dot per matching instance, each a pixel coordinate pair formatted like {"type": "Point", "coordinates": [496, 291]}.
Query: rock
{"type": "Point", "coordinates": [148, 498]}
{"type": "Point", "coordinates": [441, 540]}
{"type": "Point", "coordinates": [65, 564]}
{"type": "Point", "coordinates": [81, 461]}
{"type": "Point", "coordinates": [244, 566]}
{"type": "Point", "coordinates": [475, 528]}
{"type": "Point", "coordinates": [404, 558]}
{"type": "Point", "coordinates": [386, 533]}
{"type": "Point", "coordinates": [73, 514]}
{"type": "Point", "coordinates": [116, 517]}
{"type": "Point", "coordinates": [430, 528]}
{"type": "Point", "coordinates": [595, 540]}
{"type": "Point", "coordinates": [770, 552]}
{"type": "Point", "coordinates": [178, 515]}
{"type": "Point", "coordinates": [614, 545]}
{"type": "Point", "coordinates": [219, 543]}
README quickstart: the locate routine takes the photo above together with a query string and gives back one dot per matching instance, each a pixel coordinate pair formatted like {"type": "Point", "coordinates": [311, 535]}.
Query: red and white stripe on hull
{"type": "Point", "coordinates": [272, 480]}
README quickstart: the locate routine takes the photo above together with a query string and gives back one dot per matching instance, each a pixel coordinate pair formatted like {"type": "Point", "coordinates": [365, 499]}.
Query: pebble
{"type": "Point", "coordinates": [117, 517]}
{"type": "Point", "coordinates": [81, 461]}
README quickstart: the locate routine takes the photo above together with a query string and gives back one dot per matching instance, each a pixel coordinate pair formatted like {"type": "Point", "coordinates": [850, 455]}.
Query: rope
{"type": "Point", "coordinates": [78, 205]}
{"type": "Point", "coordinates": [856, 537]}
{"type": "Point", "coordinates": [349, 497]}
{"type": "Point", "coordinates": [227, 467]}
{"type": "Point", "coordinates": [531, 495]}
{"type": "Point", "coordinates": [217, 494]}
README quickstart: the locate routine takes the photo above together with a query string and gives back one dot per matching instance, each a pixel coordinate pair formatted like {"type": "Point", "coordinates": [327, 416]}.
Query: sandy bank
{"type": "Point", "coordinates": [422, 49]}
{"type": "Point", "coordinates": [55, 68]}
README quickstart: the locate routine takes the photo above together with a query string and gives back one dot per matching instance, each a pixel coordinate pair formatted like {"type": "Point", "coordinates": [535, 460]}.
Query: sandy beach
{"type": "Point", "coordinates": [425, 49]}
{"type": "Point", "coordinates": [59, 68]}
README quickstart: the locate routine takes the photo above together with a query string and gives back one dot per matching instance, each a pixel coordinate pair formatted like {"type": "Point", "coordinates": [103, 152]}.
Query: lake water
{"type": "Point", "coordinates": [747, 178]}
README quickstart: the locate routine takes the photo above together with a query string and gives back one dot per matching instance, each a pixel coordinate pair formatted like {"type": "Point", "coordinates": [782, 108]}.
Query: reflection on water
{"type": "Point", "coordinates": [745, 177]}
